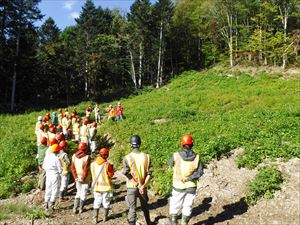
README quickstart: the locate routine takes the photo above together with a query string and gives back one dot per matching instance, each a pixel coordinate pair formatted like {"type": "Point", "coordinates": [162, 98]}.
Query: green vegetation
{"type": "Point", "coordinates": [21, 209]}
{"type": "Point", "coordinates": [265, 183]}
{"type": "Point", "coordinates": [260, 113]}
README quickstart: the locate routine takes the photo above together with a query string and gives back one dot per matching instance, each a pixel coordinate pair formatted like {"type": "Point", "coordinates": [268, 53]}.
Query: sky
{"type": "Point", "coordinates": [64, 12]}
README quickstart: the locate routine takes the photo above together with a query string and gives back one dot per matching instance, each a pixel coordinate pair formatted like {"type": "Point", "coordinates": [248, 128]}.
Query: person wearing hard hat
{"type": "Point", "coordinates": [41, 133]}
{"type": "Point", "coordinates": [80, 167]}
{"type": "Point", "coordinates": [65, 124]}
{"type": "Point", "coordinates": [97, 114]}
{"type": "Point", "coordinates": [84, 131]}
{"type": "Point", "coordinates": [52, 166]}
{"type": "Point", "coordinates": [111, 112]}
{"type": "Point", "coordinates": [60, 116]}
{"type": "Point", "coordinates": [54, 119]}
{"type": "Point", "coordinates": [42, 148]}
{"type": "Point", "coordinates": [102, 173]}
{"type": "Point", "coordinates": [119, 112]}
{"type": "Point", "coordinates": [59, 129]}
{"type": "Point", "coordinates": [52, 131]}
{"type": "Point", "coordinates": [92, 136]}
{"type": "Point", "coordinates": [138, 170]}
{"type": "Point", "coordinates": [65, 161]}
{"type": "Point", "coordinates": [76, 130]}
{"type": "Point", "coordinates": [187, 169]}
{"type": "Point", "coordinates": [88, 111]}
{"type": "Point", "coordinates": [37, 125]}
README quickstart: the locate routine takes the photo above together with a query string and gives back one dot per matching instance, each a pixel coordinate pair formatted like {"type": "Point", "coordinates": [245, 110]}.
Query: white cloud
{"type": "Point", "coordinates": [74, 15]}
{"type": "Point", "coordinates": [69, 5]}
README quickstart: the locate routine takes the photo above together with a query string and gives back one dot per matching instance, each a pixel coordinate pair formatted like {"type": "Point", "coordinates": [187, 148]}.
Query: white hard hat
{"type": "Point", "coordinates": [40, 118]}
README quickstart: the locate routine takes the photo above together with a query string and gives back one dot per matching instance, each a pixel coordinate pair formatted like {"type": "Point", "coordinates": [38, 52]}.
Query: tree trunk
{"type": "Point", "coordinates": [133, 76]}
{"type": "Point", "coordinates": [86, 80]}
{"type": "Point", "coordinates": [141, 65]}
{"type": "Point", "coordinates": [13, 90]}
{"type": "Point", "coordinates": [285, 20]}
{"type": "Point", "coordinates": [158, 78]}
{"type": "Point", "coordinates": [230, 39]}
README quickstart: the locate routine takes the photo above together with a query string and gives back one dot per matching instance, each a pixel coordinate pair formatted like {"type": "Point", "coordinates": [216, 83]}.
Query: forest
{"type": "Point", "coordinates": [107, 55]}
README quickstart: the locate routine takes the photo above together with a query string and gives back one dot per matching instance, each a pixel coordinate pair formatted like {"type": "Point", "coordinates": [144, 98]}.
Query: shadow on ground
{"type": "Point", "coordinates": [230, 210]}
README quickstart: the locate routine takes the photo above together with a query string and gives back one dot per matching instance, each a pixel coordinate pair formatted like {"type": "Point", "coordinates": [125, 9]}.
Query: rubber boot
{"type": "Point", "coordinates": [105, 215]}
{"type": "Point", "coordinates": [81, 204]}
{"type": "Point", "coordinates": [173, 219]}
{"type": "Point", "coordinates": [61, 195]}
{"type": "Point", "coordinates": [76, 204]}
{"type": "Point", "coordinates": [46, 207]}
{"type": "Point", "coordinates": [51, 207]}
{"type": "Point", "coordinates": [131, 222]}
{"type": "Point", "coordinates": [147, 217]}
{"type": "Point", "coordinates": [185, 220]}
{"type": "Point", "coordinates": [95, 216]}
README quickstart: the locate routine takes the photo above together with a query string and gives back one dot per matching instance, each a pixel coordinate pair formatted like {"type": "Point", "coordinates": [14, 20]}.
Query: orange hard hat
{"type": "Point", "coordinates": [52, 130]}
{"type": "Point", "coordinates": [94, 124]}
{"type": "Point", "coordinates": [78, 120]}
{"type": "Point", "coordinates": [103, 151]}
{"type": "Point", "coordinates": [55, 148]}
{"type": "Point", "coordinates": [59, 127]}
{"type": "Point", "coordinates": [186, 140]}
{"type": "Point", "coordinates": [52, 141]}
{"type": "Point", "coordinates": [44, 140]}
{"type": "Point", "coordinates": [42, 127]}
{"type": "Point", "coordinates": [46, 118]}
{"type": "Point", "coordinates": [73, 115]}
{"type": "Point", "coordinates": [82, 146]}
{"type": "Point", "coordinates": [60, 137]}
{"type": "Point", "coordinates": [86, 121]}
{"type": "Point", "coordinates": [51, 125]}
{"type": "Point", "coordinates": [63, 144]}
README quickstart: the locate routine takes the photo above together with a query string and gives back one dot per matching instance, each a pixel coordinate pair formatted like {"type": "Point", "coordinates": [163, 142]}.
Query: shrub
{"type": "Point", "coordinates": [265, 183]}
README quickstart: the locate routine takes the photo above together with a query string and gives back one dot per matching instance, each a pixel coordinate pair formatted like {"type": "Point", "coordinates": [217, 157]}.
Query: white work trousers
{"type": "Point", "coordinates": [93, 146]}
{"type": "Point", "coordinates": [101, 198]}
{"type": "Point", "coordinates": [84, 139]}
{"type": "Point", "coordinates": [182, 200]}
{"type": "Point", "coordinates": [64, 182]}
{"type": "Point", "coordinates": [82, 189]}
{"type": "Point", "coordinates": [52, 186]}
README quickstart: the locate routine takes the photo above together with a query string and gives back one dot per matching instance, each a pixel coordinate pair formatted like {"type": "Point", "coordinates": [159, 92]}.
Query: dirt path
{"type": "Point", "coordinates": [219, 200]}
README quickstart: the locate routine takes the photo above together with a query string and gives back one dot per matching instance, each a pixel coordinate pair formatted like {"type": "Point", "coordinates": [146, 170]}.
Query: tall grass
{"type": "Point", "coordinates": [259, 113]}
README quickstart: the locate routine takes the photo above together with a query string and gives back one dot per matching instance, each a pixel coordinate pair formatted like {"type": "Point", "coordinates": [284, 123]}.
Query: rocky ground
{"type": "Point", "coordinates": [220, 200]}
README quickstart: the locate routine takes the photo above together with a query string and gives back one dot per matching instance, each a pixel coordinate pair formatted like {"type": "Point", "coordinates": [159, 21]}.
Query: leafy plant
{"type": "Point", "coordinates": [265, 183]}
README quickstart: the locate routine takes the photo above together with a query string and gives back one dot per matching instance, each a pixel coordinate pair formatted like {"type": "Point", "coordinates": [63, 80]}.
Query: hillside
{"type": "Point", "coordinates": [257, 113]}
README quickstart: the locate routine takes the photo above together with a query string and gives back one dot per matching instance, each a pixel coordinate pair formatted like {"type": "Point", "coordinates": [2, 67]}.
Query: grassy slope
{"type": "Point", "coordinates": [259, 113]}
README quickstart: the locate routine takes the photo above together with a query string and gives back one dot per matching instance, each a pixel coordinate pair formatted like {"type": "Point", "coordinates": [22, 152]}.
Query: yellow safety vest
{"type": "Point", "coordinates": [182, 169]}
{"type": "Point", "coordinates": [64, 122]}
{"type": "Point", "coordinates": [79, 163]}
{"type": "Point", "coordinates": [83, 131]}
{"type": "Point", "coordinates": [103, 182]}
{"type": "Point", "coordinates": [51, 135]}
{"type": "Point", "coordinates": [66, 167]}
{"type": "Point", "coordinates": [139, 166]}
{"type": "Point", "coordinates": [76, 128]}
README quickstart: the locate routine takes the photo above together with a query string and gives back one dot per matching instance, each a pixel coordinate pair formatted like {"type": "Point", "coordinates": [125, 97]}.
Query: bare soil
{"type": "Point", "coordinates": [219, 200]}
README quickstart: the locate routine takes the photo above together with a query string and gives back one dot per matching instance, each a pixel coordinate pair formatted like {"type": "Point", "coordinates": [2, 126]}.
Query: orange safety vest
{"type": "Point", "coordinates": [111, 112]}
{"type": "Point", "coordinates": [103, 182]}
{"type": "Point", "coordinates": [79, 163]}
{"type": "Point", "coordinates": [182, 169]}
{"type": "Point", "coordinates": [139, 166]}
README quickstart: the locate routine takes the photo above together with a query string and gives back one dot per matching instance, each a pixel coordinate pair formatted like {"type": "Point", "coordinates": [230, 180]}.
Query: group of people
{"type": "Point", "coordinates": [56, 166]}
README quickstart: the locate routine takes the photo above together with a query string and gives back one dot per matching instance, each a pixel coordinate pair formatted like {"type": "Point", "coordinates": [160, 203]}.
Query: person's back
{"type": "Point", "coordinates": [102, 173]}
{"type": "Point", "coordinates": [186, 171]}
{"type": "Point", "coordinates": [80, 167]}
{"type": "Point", "coordinates": [137, 169]}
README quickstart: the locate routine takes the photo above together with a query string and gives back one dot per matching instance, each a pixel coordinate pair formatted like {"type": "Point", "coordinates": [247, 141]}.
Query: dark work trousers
{"type": "Point", "coordinates": [132, 195]}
